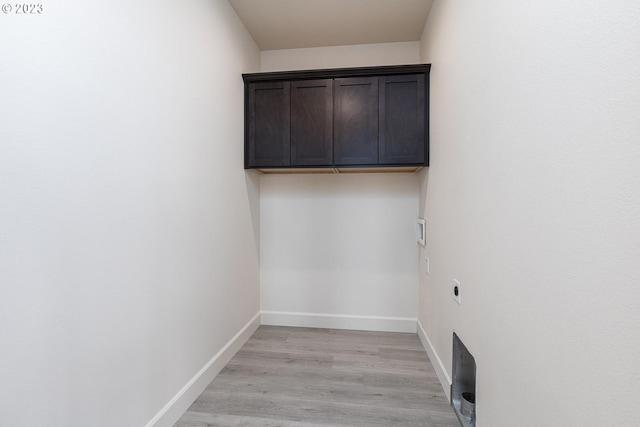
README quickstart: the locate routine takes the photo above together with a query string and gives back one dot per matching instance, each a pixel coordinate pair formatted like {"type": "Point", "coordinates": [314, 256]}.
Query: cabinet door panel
{"type": "Point", "coordinates": [355, 121]}
{"type": "Point", "coordinates": [402, 120]}
{"type": "Point", "coordinates": [311, 123]}
{"type": "Point", "coordinates": [269, 118]}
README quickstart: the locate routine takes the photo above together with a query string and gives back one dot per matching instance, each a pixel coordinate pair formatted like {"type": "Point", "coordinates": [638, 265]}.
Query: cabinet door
{"type": "Point", "coordinates": [355, 132]}
{"type": "Point", "coordinates": [311, 122]}
{"type": "Point", "coordinates": [269, 124]}
{"type": "Point", "coordinates": [402, 120]}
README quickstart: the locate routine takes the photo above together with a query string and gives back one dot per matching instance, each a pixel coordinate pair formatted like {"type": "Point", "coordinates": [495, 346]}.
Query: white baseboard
{"type": "Point", "coordinates": [441, 371]}
{"type": "Point", "coordinates": [337, 321]}
{"type": "Point", "coordinates": [173, 410]}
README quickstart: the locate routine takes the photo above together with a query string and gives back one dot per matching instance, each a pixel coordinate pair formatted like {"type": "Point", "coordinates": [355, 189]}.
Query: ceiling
{"type": "Point", "coordinates": [289, 24]}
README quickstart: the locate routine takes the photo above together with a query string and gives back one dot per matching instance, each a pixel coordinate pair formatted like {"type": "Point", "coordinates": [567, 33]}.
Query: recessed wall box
{"type": "Point", "coordinates": [421, 232]}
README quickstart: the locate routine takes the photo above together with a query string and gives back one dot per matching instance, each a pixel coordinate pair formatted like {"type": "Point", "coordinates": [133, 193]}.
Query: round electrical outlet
{"type": "Point", "coordinates": [456, 291]}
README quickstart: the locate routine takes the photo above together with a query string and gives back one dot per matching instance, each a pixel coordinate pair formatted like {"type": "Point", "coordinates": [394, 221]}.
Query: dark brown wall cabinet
{"type": "Point", "coordinates": [350, 117]}
{"type": "Point", "coordinates": [311, 122]}
{"type": "Point", "coordinates": [269, 122]}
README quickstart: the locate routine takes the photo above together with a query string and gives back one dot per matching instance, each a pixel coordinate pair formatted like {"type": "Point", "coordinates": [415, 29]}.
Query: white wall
{"type": "Point", "coordinates": [339, 245]}
{"type": "Point", "coordinates": [342, 246]}
{"type": "Point", "coordinates": [128, 228]}
{"type": "Point", "coordinates": [361, 55]}
{"type": "Point", "coordinates": [532, 202]}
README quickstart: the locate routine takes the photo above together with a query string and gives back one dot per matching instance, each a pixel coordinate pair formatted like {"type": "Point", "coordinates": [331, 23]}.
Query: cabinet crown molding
{"type": "Point", "coordinates": [330, 73]}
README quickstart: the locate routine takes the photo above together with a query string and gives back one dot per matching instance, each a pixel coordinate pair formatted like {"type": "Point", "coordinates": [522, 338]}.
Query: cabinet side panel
{"type": "Point", "coordinates": [356, 121]}
{"type": "Point", "coordinates": [402, 120]}
{"type": "Point", "coordinates": [269, 124]}
{"type": "Point", "coordinates": [311, 123]}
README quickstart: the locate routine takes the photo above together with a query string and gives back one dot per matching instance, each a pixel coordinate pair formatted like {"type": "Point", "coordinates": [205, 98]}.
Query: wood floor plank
{"type": "Point", "coordinates": [297, 377]}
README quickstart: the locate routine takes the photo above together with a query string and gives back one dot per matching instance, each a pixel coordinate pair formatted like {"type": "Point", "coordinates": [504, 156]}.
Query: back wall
{"type": "Point", "coordinates": [341, 246]}
{"type": "Point", "coordinates": [340, 250]}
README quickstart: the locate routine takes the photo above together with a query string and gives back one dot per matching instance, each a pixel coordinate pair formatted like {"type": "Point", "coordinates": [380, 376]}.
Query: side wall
{"type": "Point", "coordinates": [128, 228]}
{"type": "Point", "coordinates": [532, 203]}
{"type": "Point", "coordinates": [340, 251]}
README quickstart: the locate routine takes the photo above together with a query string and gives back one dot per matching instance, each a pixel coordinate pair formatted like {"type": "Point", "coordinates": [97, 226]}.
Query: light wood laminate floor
{"type": "Point", "coordinates": [310, 377]}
